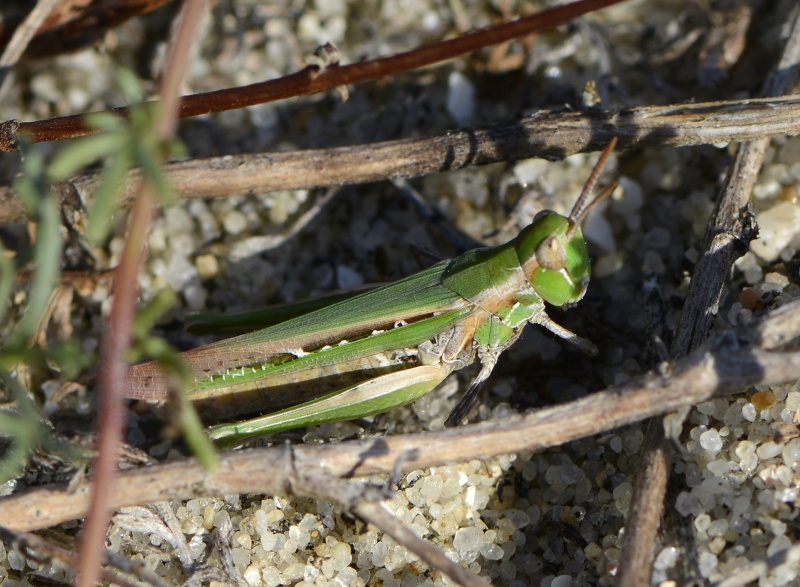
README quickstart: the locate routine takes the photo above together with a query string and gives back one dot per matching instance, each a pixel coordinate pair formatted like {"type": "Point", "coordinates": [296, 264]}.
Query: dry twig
{"type": "Point", "coordinates": [313, 79]}
{"type": "Point", "coordinates": [551, 135]}
{"type": "Point", "coordinates": [724, 365]}
{"type": "Point", "coordinates": [728, 236]}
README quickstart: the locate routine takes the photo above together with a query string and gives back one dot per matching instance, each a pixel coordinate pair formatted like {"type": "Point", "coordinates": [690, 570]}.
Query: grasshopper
{"type": "Point", "coordinates": [387, 347]}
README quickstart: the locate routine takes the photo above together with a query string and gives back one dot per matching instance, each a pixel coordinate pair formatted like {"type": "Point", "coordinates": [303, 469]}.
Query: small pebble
{"type": "Point", "coordinates": [763, 400]}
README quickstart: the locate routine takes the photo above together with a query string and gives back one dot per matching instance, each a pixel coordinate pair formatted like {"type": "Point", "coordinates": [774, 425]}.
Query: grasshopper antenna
{"type": "Point", "coordinates": [583, 206]}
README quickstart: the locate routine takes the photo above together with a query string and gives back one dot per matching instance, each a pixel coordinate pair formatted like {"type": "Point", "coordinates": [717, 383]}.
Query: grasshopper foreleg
{"type": "Point", "coordinates": [488, 357]}
{"type": "Point", "coordinates": [583, 344]}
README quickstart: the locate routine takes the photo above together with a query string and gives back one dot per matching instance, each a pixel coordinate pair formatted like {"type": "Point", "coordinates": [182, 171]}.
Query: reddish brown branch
{"type": "Point", "coordinates": [73, 25]}
{"type": "Point", "coordinates": [313, 79]}
{"type": "Point", "coordinates": [118, 337]}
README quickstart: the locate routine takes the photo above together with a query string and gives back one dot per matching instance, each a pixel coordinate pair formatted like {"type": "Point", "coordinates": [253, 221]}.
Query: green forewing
{"type": "Point", "coordinates": [414, 298]}
{"type": "Point", "coordinates": [477, 272]}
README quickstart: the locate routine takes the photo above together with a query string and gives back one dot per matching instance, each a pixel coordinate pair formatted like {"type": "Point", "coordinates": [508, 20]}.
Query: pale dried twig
{"type": "Point", "coordinates": [157, 520]}
{"type": "Point", "coordinates": [723, 365]}
{"type": "Point", "coordinates": [21, 37]}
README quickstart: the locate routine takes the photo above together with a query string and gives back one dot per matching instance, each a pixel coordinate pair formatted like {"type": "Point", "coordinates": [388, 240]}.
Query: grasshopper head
{"type": "Point", "coordinates": [552, 251]}
{"type": "Point", "coordinates": [553, 255]}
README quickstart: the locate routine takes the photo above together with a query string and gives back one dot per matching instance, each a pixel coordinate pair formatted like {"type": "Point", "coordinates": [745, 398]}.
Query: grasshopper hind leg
{"type": "Point", "coordinates": [368, 398]}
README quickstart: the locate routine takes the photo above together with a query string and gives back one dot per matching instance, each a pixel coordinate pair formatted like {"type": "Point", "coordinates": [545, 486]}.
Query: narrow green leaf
{"type": "Point", "coordinates": [23, 427]}
{"type": "Point", "coordinates": [154, 172]}
{"type": "Point", "coordinates": [47, 256]}
{"type": "Point", "coordinates": [152, 312]}
{"type": "Point", "coordinates": [70, 358]}
{"type": "Point", "coordinates": [31, 185]}
{"type": "Point", "coordinates": [130, 85]}
{"type": "Point", "coordinates": [188, 420]}
{"type": "Point", "coordinates": [196, 437]}
{"type": "Point", "coordinates": [7, 272]}
{"type": "Point", "coordinates": [105, 121]}
{"type": "Point", "coordinates": [84, 152]}
{"type": "Point", "coordinates": [143, 116]}
{"type": "Point", "coordinates": [101, 217]}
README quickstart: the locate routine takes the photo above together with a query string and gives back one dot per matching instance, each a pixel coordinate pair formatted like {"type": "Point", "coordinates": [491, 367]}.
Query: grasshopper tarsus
{"type": "Point", "coordinates": [465, 407]}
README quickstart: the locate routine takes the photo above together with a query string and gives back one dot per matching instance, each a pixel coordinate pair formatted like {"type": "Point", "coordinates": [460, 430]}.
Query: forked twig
{"type": "Point", "coordinates": [728, 235]}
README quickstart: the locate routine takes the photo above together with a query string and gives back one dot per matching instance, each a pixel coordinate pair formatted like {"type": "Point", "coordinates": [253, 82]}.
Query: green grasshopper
{"type": "Point", "coordinates": [387, 347]}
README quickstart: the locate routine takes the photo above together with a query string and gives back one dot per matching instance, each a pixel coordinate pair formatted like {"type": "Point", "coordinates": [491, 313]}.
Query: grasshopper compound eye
{"type": "Point", "coordinates": [551, 254]}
